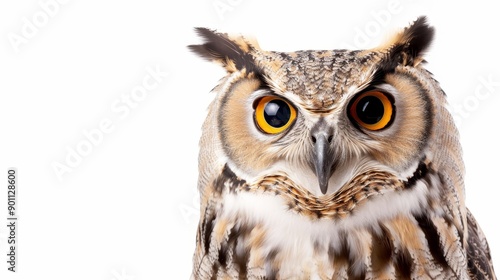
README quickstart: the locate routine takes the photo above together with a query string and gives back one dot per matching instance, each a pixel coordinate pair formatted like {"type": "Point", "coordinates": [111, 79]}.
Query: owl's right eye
{"type": "Point", "coordinates": [273, 114]}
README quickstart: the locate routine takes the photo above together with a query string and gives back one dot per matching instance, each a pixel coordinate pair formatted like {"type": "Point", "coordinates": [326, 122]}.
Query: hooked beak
{"type": "Point", "coordinates": [323, 157]}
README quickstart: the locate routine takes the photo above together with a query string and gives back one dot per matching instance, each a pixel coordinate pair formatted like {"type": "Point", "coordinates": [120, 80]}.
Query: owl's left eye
{"type": "Point", "coordinates": [273, 114]}
{"type": "Point", "coordinates": [372, 110]}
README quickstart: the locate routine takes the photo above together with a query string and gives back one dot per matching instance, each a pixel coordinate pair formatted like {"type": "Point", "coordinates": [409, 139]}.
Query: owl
{"type": "Point", "coordinates": [332, 164]}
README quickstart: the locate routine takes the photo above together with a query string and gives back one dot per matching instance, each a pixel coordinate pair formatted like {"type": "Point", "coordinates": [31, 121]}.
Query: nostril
{"type": "Point", "coordinates": [313, 139]}
{"type": "Point", "coordinates": [330, 138]}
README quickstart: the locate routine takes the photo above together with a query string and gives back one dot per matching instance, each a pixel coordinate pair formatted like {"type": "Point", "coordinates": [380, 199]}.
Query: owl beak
{"type": "Point", "coordinates": [323, 158]}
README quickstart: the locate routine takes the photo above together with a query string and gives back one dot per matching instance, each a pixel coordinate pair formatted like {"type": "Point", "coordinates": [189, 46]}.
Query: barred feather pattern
{"type": "Point", "coordinates": [423, 245]}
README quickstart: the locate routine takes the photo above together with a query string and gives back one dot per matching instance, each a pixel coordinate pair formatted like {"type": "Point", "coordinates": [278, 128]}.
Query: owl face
{"type": "Point", "coordinates": [322, 117]}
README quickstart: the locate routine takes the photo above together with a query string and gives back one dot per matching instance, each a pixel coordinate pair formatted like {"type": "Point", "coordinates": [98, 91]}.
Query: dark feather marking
{"type": "Point", "coordinates": [341, 255]}
{"type": "Point", "coordinates": [242, 263]}
{"type": "Point", "coordinates": [271, 272]}
{"type": "Point", "coordinates": [226, 176]}
{"type": "Point", "coordinates": [215, 270]}
{"type": "Point", "coordinates": [318, 214]}
{"type": "Point", "coordinates": [419, 173]}
{"type": "Point", "coordinates": [219, 182]}
{"type": "Point", "coordinates": [403, 264]}
{"type": "Point", "coordinates": [229, 174]}
{"type": "Point", "coordinates": [207, 231]}
{"type": "Point", "coordinates": [356, 276]}
{"type": "Point", "coordinates": [244, 258]}
{"type": "Point", "coordinates": [478, 256]}
{"type": "Point", "coordinates": [223, 254]}
{"type": "Point", "coordinates": [241, 259]}
{"type": "Point", "coordinates": [382, 249]}
{"type": "Point", "coordinates": [428, 109]}
{"type": "Point", "coordinates": [229, 247]}
{"type": "Point", "coordinates": [220, 47]}
{"type": "Point", "coordinates": [432, 236]}
{"type": "Point", "coordinates": [385, 67]}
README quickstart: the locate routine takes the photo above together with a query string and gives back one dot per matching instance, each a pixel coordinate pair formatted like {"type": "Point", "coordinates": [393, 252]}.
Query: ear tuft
{"type": "Point", "coordinates": [418, 37]}
{"type": "Point", "coordinates": [233, 53]}
{"type": "Point", "coordinates": [408, 46]}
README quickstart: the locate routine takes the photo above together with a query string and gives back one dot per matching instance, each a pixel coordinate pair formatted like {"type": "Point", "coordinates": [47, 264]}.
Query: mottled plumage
{"type": "Point", "coordinates": [332, 164]}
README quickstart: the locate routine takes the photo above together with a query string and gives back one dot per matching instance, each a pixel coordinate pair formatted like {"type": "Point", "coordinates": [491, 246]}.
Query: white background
{"type": "Point", "coordinates": [128, 209]}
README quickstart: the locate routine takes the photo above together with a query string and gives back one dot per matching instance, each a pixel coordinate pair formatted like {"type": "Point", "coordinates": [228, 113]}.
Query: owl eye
{"type": "Point", "coordinates": [372, 110]}
{"type": "Point", "coordinates": [273, 114]}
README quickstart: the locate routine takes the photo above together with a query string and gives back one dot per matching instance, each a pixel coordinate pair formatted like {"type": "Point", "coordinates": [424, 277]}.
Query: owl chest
{"type": "Point", "coordinates": [266, 236]}
{"type": "Point", "coordinates": [258, 236]}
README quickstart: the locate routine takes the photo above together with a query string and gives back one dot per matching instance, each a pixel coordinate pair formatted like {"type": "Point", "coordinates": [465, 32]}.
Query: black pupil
{"type": "Point", "coordinates": [370, 110]}
{"type": "Point", "coordinates": [277, 113]}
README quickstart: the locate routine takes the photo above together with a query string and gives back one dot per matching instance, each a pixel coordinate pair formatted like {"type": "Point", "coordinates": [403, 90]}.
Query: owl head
{"type": "Point", "coordinates": [324, 117]}
{"type": "Point", "coordinates": [336, 163]}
